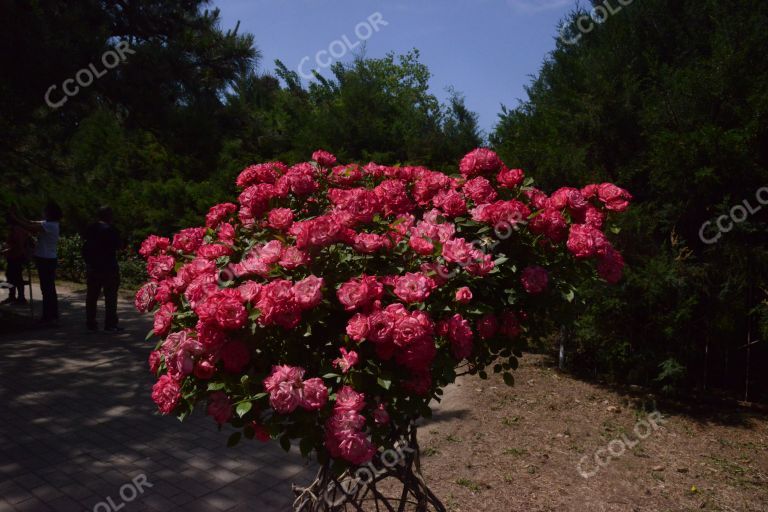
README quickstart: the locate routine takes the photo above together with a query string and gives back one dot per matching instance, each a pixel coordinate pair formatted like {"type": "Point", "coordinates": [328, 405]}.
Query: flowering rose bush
{"type": "Point", "coordinates": [332, 303]}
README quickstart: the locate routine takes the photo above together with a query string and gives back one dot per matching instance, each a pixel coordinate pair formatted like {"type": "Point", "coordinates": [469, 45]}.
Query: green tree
{"type": "Point", "coordinates": [669, 100]}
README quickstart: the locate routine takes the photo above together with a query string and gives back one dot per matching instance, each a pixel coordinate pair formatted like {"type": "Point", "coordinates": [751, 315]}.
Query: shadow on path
{"type": "Point", "coordinates": [78, 424]}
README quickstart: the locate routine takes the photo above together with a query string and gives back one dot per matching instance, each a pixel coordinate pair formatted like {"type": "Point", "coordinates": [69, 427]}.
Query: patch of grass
{"type": "Point", "coordinates": [515, 452]}
{"type": "Point", "coordinates": [509, 422]}
{"type": "Point", "coordinates": [725, 443]}
{"type": "Point", "coordinates": [452, 439]}
{"type": "Point", "coordinates": [727, 466]}
{"type": "Point", "coordinates": [611, 429]}
{"type": "Point", "coordinates": [472, 486]}
{"type": "Point", "coordinates": [451, 504]}
{"type": "Point", "coordinates": [429, 452]}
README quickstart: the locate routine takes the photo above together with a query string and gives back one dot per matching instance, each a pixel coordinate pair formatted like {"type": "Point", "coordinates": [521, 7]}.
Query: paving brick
{"type": "Point", "coordinates": [79, 423]}
{"type": "Point", "coordinates": [32, 505]}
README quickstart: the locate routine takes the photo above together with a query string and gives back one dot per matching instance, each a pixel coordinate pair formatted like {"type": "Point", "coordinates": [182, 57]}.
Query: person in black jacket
{"type": "Point", "coordinates": [102, 242]}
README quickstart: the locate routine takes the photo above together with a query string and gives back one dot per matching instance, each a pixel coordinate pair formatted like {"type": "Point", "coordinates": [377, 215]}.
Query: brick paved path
{"type": "Point", "coordinates": [77, 427]}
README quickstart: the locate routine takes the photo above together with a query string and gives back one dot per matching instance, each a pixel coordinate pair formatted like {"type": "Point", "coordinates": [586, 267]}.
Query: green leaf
{"type": "Point", "coordinates": [331, 376]}
{"type": "Point", "coordinates": [509, 380]}
{"type": "Point", "coordinates": [216, 386]}
{"type": "Point", "coordinates": [384, 383]}
{"type": "Point", "coordinates": [243, 408]}
{"type": "Point", "coordinates": [234, 439]}
{"type": "Point", "coordinates": [306, 446]}
{"type": "Point", "coordinates": [285, 443]}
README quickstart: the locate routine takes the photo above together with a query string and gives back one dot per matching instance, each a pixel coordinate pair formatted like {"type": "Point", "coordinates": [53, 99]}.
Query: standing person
{"type": "Point", "coordinates": [45, 256]}
{"type": "Point", "coordinates": [17, 256]}
{"type": "Point", "coordinates": [102, 241]}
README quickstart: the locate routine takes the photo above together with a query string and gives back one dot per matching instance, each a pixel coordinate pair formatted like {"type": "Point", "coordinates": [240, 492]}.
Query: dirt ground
{"type": "Point", "coordinates": [532, 448]}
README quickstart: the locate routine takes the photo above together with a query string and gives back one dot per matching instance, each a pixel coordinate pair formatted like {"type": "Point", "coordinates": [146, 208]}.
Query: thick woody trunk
{"type": "Point", "coordinates": [392, 482]}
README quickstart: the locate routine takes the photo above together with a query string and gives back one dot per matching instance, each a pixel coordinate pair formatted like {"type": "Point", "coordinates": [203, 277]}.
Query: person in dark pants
{"type": "Point", "coordinates": [16, 255]}
{"type": "Point", "coordinates": [102, 242]}
{"type": "Point", "coordinates": [45, 256]}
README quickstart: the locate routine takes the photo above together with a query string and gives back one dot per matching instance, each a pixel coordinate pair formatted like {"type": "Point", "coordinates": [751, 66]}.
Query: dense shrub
{"type": "Point", "coordinates": [332, 303]}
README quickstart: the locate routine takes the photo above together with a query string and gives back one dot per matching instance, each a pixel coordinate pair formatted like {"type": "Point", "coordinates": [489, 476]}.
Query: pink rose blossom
{"type": "Point", "coordinates": [308, 292]}
{"type": "Point", "coordinates": [534, 279]}
{"type": "Point", "coordinates": [346, 361]}
{"type": "Point", "coordinates": [261, 173]}
{"type": "Point", "coordinates": [324, 158]}
{"type": "Point", "coordinates": [349, 400]}
{"type": "Point", "coordinates": [460, 334]}
{"type": "Point", "coordinates": [510, 178]}
{"type": "Point", "coordinates": [358, 327]}
{"type": "Point", "coordinates": [359, 293]}
{"type": "Point", "coordinates": [615, 198]}
{"type": "Point", "coordinates": [479, 161]}
{"type": "Point", "coordinates": [154, 245]}
{"type": "Point", "coordinates": [551, 224]}
{"type": "Point", "coordinates": [315, 394]}
{"type": "Point", "coordinates": [369, 243]}
{"type": "Point", "coordinates": [479, 190]}
{"type": "Point", "coordinates": [357, 449]}
{"type": "Point", "coordinates": [218, 213]}
{"type": "Point", "coordinates": [412, 287]}
{"type": "Point", "coordinates": [155, 358]}
{"type": "Point", "coordinates": [230, 313]}
{"type": "Point", "coordinates": [280, 218]}
{"type": "Point", "coordinates": [204, 369]}
{"type": "Point", "coordinates": [610, 266]}
{"type": "Point", "coordinates": [145, 297]}
{"type": "Point", "coordinates": [285, 388]}
{"type": "Point", "coordinates": [163, 318]}
{"type": "Point", "coordinates": [188, 240]}
{"type": "Point", "coordinates": [166, 394]}
{"type": "Point", "coordinates": [159, 267]}
{"type": "Point", "coordinates": [585, 241]}
{"type": "Point", "coordinates": [510, 325]}
{"type": "Point", "coordinates": [380, 415]}
{"type": "Point", "coordinates": [220, 407]}
{"type": "Point", "coordinates": [487, 326]}
{"type": "Point", "coordinates": [463, 295]}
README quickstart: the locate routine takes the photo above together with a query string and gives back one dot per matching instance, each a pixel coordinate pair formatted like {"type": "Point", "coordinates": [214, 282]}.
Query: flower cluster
{"type": "Point", "coordinates": [331, 303]}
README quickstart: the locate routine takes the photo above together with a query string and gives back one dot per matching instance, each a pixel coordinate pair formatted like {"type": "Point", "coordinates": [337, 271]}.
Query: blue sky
{"type": "Point", "coordinates": [486, 49]}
